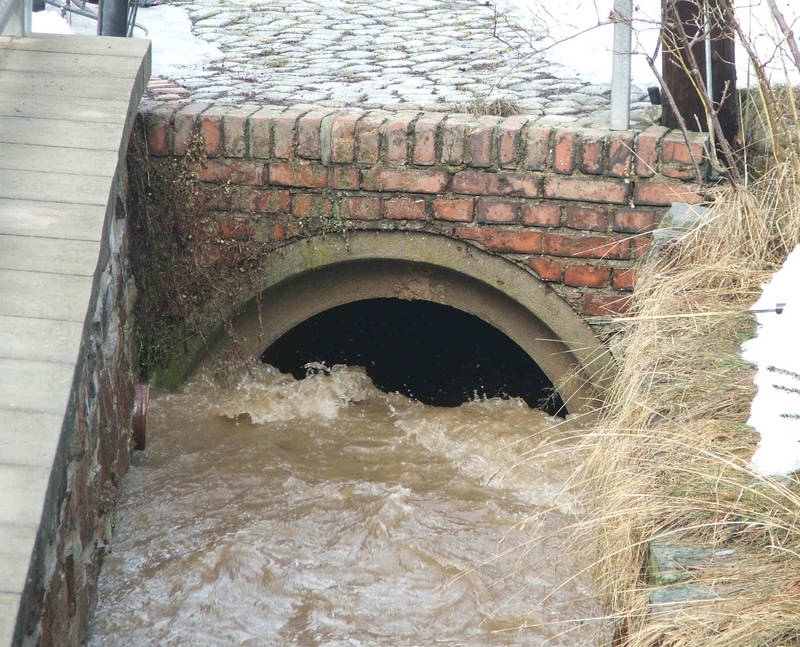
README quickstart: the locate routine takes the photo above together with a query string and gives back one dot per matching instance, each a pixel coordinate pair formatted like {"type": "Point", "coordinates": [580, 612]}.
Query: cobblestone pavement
{"type": "Point", "coordinates": [436, 54]}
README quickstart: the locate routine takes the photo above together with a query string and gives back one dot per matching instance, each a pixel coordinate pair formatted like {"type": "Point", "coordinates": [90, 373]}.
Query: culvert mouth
{"type": "Point", "coordinates": [433, 353]}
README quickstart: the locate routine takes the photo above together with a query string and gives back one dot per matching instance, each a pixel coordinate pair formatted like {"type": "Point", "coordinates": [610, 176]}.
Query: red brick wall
{"type": "Point", "coordinates": [573, 205]}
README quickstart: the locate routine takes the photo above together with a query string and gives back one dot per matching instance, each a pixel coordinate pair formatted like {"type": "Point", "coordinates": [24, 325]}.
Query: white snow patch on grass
{"type": "Point", "coordinates": [776, 346]}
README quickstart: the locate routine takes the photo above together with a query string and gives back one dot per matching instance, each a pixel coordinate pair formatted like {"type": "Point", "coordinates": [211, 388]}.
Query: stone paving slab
{"type": "Point", "coordinates": [29, 385]}
{"type": "Point", "coordinates": [432, 54]}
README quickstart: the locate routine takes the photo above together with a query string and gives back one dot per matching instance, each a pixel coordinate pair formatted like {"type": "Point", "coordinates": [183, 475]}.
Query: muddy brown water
{"type": "Point", "coordinates": [273, 511]}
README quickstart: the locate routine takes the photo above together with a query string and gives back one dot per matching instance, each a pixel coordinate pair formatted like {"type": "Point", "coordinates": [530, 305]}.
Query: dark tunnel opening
{"type": "Point", "coordinates": [434, 353]}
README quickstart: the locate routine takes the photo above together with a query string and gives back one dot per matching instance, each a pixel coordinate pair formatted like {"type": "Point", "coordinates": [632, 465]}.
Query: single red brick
{"type": "Point", "coordinates": [346, 177]}
{"type": "Point", "coordinates": [591, 218]}
{"type": "Point", "coordinates": [453, 210]}
{"type": "Point", "coordinates": [234, 171]}
{"type": "Point", "coordinates": [623, 279]}
{"type": "Point", "coordinates": [217, 198]}
{"type": "Point", "coordinates": [639, 247]}
{"type": "Point", "coordinates": [620, 154]}
{"type": "Point", "coordinates": [361, 208]}
{"type": "Point", "coordinates": [480, 142]}
{"type": "Point", "coordinates": [679, 151]}
{"type": "Point", "coordinates": [483, 183]}
{"type": "Point", "coordinates": [647, 151]}
{"type": "Point", "coordinates": [157, 122]}
{"type": "Point", "coordinates": [471, 183]}
{"type": "Point", "coordinates": [634, 221]}
{"type": "Point", "coordinates": [297, 173]}
{"type": "Point", "coordinates": [455, 130]}
{"type": "Point", "coordinates": [368, 137]}
{"type": "Point", "coordinates": [548, 269]}
{"type": "Point", "coordinates": [541, 215]}
{"type": "Point", "coordinates": [663, 193]}
{"type": "Point", "coordinates": [310, 205]}
{"type": "Point", "coordinates": [279, 231]}
{"type": "Point", "coordinates": [261, 200]}
{"type": "Point", "coordinates": [411, 180]}
{"type": "Point", "coordinates": [523, 242]}
{"type": "Point", "coordinates": [508, 140]}
{"type": "Point", "coordinates": [585, 246]}
{"type": "Point", "coordinates": [591, 152]}
{"type": "Point", "coordinates": [537, 148]}
{"type": "Point", "coordinates": [259, 126]}
{"type": "Point", "coordinates": [235, 228]}
{"type": "Point", "coordinates": [343, 136]}
{"type": "Point", "coordinates": [564, 156]}
{"type": "Point", "coordinates": [605, 305]}
{"type": "Point", "coordinates": [586, 276]}
{"type": "Point", "coordinates": [309, 138]}
{"type": "Point", "coordinates": [575, 188]}
{"type": "Point", "coordinates": [234, 130]}
{"type": "Point", "coordinates": [679, 173]}
{"type": "Point", "coordinates": [425, 138]}
{"type": "Point", "coordinates": [395, 130]}
{"type": "Point", "coordinates": [283, 132]}
{"type": "Point", "coordinates": [211, 127]}
{"type": "Point", "coordinates": [184, 122]}
{"type": "Point", "coordinates": [496, 211]}
{"type": "Point", "coordinates": [405, 209]}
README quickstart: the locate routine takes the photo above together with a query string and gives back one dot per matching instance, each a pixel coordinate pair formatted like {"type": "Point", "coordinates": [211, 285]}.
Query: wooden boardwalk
{"type": "Point", "coordinates": [67, 105]}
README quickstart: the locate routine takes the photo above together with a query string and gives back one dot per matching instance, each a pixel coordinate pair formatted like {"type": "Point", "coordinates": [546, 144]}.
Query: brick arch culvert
{"type": "Point", "coordinates": [311, 275]}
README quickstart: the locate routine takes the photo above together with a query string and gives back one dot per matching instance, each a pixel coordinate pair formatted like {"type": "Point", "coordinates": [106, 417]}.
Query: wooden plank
{"type": "Point", "coordinates": [44, 296]}
{"type": "Point", "coordinates": [55, 187]}
{"type": "Point", "coordinates": [28, 438]}
{"type": "Point", "coordinates": [78, 257]}
{"type": "Point", "coordinates": [65, 86]}
{"type": "Point", "coordinates": [78, 64]}
{"type": "Point", "coordinates": [47, 340]}
{"type": "Point", "coordinates": [9, 607]}
{"type": "Point", "coordinates": [22, 490]}
{"type": "Point", "coordinates": [25, 104]}
{"type": "Point", "coordinates": [79, 44]}
{"type": "Point", "coordinates": [51, 219]}
{"type": "Point", "coordinates": [16, 546]}
{"type": "Point", "coordinates": [55, 159]}
{"type": "Point", "coordinates": [70, 134]}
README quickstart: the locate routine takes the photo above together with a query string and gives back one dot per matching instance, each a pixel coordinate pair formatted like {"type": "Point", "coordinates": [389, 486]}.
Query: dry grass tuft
{"type": "Point", "coordinates": [669, 457]}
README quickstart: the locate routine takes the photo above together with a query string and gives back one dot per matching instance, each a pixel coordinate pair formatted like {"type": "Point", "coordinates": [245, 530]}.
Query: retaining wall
{"type": "Point", "coordinates": [573, 206]}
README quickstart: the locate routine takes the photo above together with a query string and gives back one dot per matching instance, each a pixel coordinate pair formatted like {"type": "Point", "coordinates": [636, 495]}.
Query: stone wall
{"type": "Point", "coordinates": [572, 206]}
{"type": "Point", "coordinates": [92, 456]}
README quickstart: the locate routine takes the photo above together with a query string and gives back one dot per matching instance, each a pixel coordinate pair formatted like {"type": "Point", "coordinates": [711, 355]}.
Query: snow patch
{"type": "Point", "coordinates": [776, 352]}
{"type": "Point", "coordinates": [49, 22]}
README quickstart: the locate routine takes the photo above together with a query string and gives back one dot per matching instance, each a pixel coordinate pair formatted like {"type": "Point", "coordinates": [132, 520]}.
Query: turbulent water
{"type": "Point", "coordinates": [273, 511]}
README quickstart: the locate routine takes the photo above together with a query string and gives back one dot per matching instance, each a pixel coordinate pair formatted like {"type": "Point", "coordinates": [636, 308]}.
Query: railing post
{"type": "Point", "coordinates": [113, 18]}
{"type": "Point", "coordinates": [621, 66]}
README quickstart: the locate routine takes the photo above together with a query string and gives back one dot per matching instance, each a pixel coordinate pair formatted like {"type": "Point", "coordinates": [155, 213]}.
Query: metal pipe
{"type": "Point", "coordinates": [621, 66]}
{"type": "Point", "coordinates": [12, 18]}
{"type": "Point", "coordinates": [112, 19]}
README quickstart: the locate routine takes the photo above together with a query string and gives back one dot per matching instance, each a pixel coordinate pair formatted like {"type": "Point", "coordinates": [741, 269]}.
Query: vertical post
{"type": "Point", "coordinates": [621, 66]}
{"type": "Point", "coordinates": [713, 52]}
{"type": "Point", "coordinates": [113, 18]}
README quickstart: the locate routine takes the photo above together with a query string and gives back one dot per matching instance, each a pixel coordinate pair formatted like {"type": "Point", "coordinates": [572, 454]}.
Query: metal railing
{"type": "Point", "coordinates": [15, 17]}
